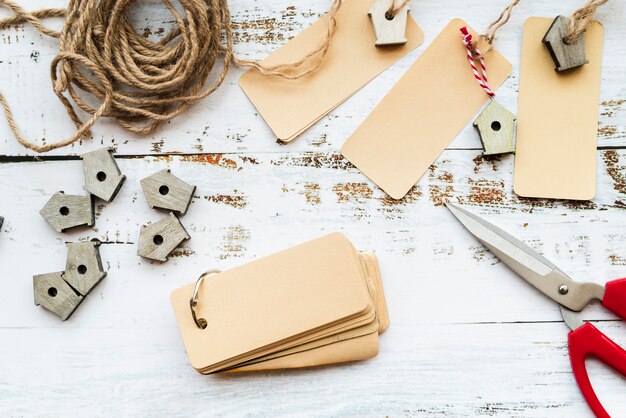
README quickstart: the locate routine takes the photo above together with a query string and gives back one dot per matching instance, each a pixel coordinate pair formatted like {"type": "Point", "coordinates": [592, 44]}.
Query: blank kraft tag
{"type": "Point", "coordinates": [319, 284]}
{"type": "Point", "coordinates": [557, 119]}
{"type": "Point", "coordinates": [291, 106]}
{"type": "Point", "coordinates": [423, 113]}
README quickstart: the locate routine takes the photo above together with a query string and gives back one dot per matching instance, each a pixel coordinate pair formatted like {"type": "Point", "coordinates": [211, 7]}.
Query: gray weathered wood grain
{"type": "Point", "coordinates": [164, 190]}
{"type": "Point", "coordinates": [565, 56]}
{"type": "Point", "coordinates": [159, 239]}
{"type": "Point", "coordinates": [64, 211]}
{"type": "Point", "coordinates": [83, 268]}
{"type": "Point", "coordinates": [102, 175]}
{"type": "Point", "coordinates": [467, 338]}
{"type": "Point", "coordinates": [54, 294]}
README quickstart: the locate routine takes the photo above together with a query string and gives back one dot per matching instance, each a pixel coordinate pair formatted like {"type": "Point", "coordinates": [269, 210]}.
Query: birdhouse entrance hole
{"type": "Point", "coordinates": [164, 190]}
{"type": "Point", "coordinates": [495, 125]}
{"type": "Point", "coordinates": [158, 239]}
{"type": "Point", "coordinates": [101, 176]}
{"type": "Point", "coordinates": [64, 211]}
{"type": "Point", "coordinates": [52, 292]}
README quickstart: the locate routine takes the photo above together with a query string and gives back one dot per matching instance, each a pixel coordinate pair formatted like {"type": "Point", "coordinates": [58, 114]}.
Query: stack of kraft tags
{"type": "Point", "coordinates": [318, 303]}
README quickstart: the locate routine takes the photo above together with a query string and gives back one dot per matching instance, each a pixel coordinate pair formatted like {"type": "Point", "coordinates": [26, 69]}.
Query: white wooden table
{"type": "Point", "coordinates": [468, 338]}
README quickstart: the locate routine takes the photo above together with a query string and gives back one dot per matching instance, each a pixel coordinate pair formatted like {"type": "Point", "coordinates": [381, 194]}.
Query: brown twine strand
{"type": "Point", "coordinates": [490, 34]}
{"type": "Point", "coordinates": [395, 8]}
{"type": "Point", "coordinates": [142, 83]}
{"type": "Point", "coordinates": [581, 19]}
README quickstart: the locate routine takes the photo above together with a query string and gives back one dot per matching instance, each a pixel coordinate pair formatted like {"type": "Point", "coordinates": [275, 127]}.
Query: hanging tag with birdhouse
{"type": "Point", "coordinates": [351, 60]}
{"type": "Point", "coordinates": [495, 124]}
{"type": "Point", "coordinates": [558, 111]}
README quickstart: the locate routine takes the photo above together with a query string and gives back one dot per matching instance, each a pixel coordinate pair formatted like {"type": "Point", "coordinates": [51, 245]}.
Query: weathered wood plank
{"type": "Point", "coordinates": [246, 207]}
{"type": "Point", "coordinates": [500, 370]}
{"type": "Point", "coordinates": [227, 122]}
{"type": "Point", "coordinates": [467, 337]}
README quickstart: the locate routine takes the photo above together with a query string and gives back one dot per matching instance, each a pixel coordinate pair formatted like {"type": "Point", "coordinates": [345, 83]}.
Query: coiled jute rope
{"type": "Point", "coordinates": [142, 83]}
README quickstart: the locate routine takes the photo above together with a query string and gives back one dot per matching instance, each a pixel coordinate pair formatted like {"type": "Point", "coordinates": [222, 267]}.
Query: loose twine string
{"type": "Point", "coordinates": [395, 8]}
{"type": "Point", "coordinates": [580, 20]}
{"type": "Point", "coordinates": [141, 83]}
{"type": "Point", "coordinates": [474, 54]}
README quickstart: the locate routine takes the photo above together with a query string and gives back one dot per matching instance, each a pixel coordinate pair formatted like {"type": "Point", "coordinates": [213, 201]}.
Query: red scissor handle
{"type": "Point", "coordinates": [615, 297]}
{"type": "Point", "coordinates": [588, 341]}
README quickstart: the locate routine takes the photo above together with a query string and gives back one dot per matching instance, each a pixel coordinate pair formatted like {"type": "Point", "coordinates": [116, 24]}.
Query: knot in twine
{"type": "Point", "coordinates": [139, 82]}
{"type": "Point", "coordinates": [581, 19]}
{"type": "Point", "coordinates": [474, 54]}
{"type": "Point", "coordinates": [394, 8]}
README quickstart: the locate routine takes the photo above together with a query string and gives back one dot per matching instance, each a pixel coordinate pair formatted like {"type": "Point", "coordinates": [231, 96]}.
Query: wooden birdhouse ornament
{"type": "Point", "coordinates": [565, 56]}
{"type": "Point", "coordinates": [389, 29]}
{"type": "Point", "coordinates": [164, 190]}
{"type": "Point", "coordinates": [55, 294]}
{"type": "Point", "coordinates": [158, 240]}
{"type": "Point", "coordinates": [64, 211]}
{"type": "Point", "coordinates": [83, 269]}
{"type": "Point", "coordinates": [496, 127]}
{"type": "Point", "coordinates": [102, 175]}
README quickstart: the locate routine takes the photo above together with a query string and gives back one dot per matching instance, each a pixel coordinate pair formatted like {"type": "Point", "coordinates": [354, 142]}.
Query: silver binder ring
{"type": "Point", "coordinates": [193, 302]}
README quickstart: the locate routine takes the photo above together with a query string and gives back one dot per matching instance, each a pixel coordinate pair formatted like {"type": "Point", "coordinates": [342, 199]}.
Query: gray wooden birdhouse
{"type": "Point", "coordinates": [164, 190]}
{"type": "Point", "coordinates": [55, 294]}
{"type": "Point", "coordinates": [158, 240]}
{"type": "Point", "coordinates": [496, 127]}
{"type": "Point", "coordinates": [389, 30]}
{"type": "Point", "coordinates": [64, 211]}
{"type": "Point", "coordinates": [102, 175]}
{"type": "Point", "coordinates": [83, 269]}
{"type": "Point", "coordinates": [565, 56]}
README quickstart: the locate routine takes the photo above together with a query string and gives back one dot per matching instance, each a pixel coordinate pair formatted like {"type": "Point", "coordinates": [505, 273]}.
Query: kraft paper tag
{"type": "Point", "coordinates": [356, 349]}
{"type": "Point", "coordinates": [557, 122]}
{"type": "Point", "coordinates": [291, 106]}
{"type": "Point", "coordinates": [296, 301]}
{"type": "Point", "coordinates": [423, 113]}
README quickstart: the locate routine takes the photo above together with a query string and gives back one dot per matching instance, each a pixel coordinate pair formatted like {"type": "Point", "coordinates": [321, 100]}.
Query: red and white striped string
{"type": "Point", "coordinates": [473, 54]}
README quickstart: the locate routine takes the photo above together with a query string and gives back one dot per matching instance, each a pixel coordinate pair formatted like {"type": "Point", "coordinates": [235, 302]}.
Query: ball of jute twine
{"type": "Point", "coordinates": [139, 82]}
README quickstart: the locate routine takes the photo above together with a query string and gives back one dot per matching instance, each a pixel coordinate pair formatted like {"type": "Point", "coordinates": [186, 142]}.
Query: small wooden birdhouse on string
{"type": "Point", "coordinates": [496, 127]}
{"type": "Point", "coordinates": [565, 55]}
{"type": "Point", "coordinates": [164, 190]}
{"type": "Point", "coordinates": [390, 29]}
{"type": "Point", "coordinates": [102, 175]}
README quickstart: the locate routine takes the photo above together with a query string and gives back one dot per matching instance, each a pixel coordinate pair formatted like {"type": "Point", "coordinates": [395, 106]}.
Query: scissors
{"type": "Point", "coordinates": [585, 340]}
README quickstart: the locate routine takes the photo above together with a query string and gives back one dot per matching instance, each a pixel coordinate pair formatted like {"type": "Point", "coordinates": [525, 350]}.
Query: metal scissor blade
{"type": "Point", "coordinates": [527, 263]}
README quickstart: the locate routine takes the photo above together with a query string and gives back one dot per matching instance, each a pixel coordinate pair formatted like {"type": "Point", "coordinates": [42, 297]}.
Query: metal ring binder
{"type": "Point", "coordinates": [193, 302]}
